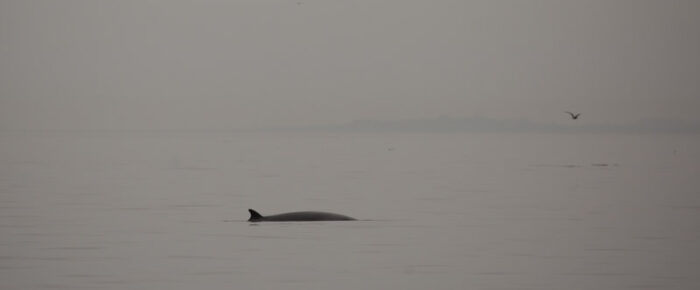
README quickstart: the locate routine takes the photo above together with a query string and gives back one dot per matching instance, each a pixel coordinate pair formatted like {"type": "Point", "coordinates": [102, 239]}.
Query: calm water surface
{"type": "Point", "coordinates": [437, 211]}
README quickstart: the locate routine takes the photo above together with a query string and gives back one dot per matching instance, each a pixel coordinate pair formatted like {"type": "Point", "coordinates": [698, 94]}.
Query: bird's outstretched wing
{"type": "Point", "coordinates": [573, 116]}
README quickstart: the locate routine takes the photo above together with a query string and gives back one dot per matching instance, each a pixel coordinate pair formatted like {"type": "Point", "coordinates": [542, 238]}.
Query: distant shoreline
{"type": "Point", "coordinates": [488, 125]}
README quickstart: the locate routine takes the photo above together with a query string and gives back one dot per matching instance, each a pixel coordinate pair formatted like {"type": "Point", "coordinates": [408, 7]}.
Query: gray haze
{"type": "Point", "coordinates": [249, 64]}
{"type": "Point", "coordinates": [90, 201]}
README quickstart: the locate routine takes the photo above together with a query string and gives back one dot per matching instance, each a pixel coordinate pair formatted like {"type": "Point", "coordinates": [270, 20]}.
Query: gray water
{"type": "Point", "coordinates": [166, 210]}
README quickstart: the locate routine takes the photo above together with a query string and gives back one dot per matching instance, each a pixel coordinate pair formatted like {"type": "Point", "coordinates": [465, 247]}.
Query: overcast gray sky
{"type": "Point", "coordinates": [249, 63]}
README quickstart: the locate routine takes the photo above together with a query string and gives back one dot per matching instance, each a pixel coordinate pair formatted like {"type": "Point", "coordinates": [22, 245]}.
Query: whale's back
{"type": "Point", "coordinates": [299, 216]}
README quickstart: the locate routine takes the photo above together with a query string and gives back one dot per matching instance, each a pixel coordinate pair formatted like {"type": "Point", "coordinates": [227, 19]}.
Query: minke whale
{"type": "Point", "coordinates": [299, 216]}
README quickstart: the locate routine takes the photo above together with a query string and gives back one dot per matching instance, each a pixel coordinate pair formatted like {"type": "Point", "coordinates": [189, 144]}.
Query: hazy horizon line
{"type": "Point", "coordinates": [493, 125]}
{"type": "Point", "coordinates": [440, 124]}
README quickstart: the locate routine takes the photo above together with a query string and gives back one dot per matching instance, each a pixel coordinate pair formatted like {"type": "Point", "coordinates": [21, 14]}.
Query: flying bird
{"type": "Point", "coordinates": [573, 116]}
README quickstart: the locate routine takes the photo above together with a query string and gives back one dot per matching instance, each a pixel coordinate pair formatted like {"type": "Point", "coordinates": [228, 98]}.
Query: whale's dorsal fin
{"type": "Point", "coordinates": [254, 215]}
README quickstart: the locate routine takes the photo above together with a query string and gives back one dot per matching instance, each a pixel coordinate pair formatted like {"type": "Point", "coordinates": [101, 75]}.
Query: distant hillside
{"type": "Point", "coordinates": [485, 125]}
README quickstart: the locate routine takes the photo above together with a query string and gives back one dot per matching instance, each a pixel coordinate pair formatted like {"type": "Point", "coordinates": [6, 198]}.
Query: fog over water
{"type": "Point", "coordinates": [175, 64]}
{"type": "Point", "coordinates": [135, 136]}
